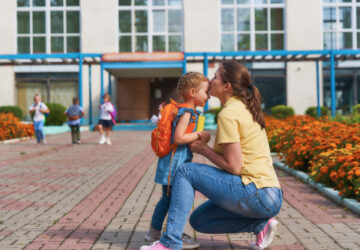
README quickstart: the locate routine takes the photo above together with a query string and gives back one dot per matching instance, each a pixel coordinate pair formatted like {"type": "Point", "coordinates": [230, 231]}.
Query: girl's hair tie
{"type": "Point", "coordinates": [250, 86]}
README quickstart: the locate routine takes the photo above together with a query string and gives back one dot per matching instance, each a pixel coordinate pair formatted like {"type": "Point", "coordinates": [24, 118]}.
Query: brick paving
{"type": "Point", "coordinates": [91, 196]}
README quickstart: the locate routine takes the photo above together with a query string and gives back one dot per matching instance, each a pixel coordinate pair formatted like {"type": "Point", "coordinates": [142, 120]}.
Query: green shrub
{"type": "Point", "coordinates": [282, 111]}
{"type": "Point", "coordinates": [56, 116]}
{"type": "Point", "coordinates": [214, 111]}
{"type": "Point", "coordinates": [16, 110]}
{"type": "Point", "coordinates": [356, 110]}
{"type": "Point", "coordinates": [312, 111]}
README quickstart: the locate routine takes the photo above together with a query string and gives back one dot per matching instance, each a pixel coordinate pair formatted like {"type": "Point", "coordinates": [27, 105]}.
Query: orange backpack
{"type": "Point", "coordinates": [161, 135]}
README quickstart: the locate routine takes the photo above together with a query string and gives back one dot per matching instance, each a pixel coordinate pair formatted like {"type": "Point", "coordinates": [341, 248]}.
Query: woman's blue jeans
{"type": "Point", "coordinates": [38, 127]}
{"type": "Point", "coordinates": [161, 209]}
{"type": "Point", "coordinates": [232, 207]}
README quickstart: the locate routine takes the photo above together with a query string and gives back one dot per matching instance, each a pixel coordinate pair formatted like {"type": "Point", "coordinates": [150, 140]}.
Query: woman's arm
{"type": "Point", "coordinates": [180, 137]}
{"type": "Point", "coordinates": [230, 161]}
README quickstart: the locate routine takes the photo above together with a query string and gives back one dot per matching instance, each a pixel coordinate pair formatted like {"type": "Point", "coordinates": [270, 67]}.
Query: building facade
{"type": "Point", "coordinates": [145, 26]}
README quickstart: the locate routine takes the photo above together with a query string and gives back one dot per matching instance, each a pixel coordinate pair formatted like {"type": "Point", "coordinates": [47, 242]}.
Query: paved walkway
{"type": "Point", "coordinates": [91, 196]}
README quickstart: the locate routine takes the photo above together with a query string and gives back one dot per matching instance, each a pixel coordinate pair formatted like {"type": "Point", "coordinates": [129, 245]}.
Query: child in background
{"type": "Point", "coordinates": [193, 89]}
{"type": "Point", "coordinates": [106, 120]}
{"type": "Point", "coordinates": [38, 111]}
{"type": "Point", "coordinates": [74, 113]}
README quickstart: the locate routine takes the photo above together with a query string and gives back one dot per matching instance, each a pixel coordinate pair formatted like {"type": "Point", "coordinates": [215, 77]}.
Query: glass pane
{"type": "Point", "coordinates": [329, 1]}
{"type": "Point", "coordinates": [23, 3]}
{"type": "Point", "coordinates": [125, 44]}
{"type": "Point", "coordinates": [277, 19]}
{"type": "Point", "coordinates": [277, 41]}
{"type": "Point", "coordinates": [175, 22]}
{"type": "Point", "coordinates": [73, 44]}
{"type": "Point", "coordinates": [358, 17]}
{"type": "Point", "coordinates": [175, 43]}
{"type": "Point", "coordinates": [38, 3]}
{"type": "Point", "coordinates": [39, 45]}
{"type": "Point", "coordinates": [329, 18]}
{"type": "Point", "coordinates": [174, 2]}
{"type": "Point", "coordinates": [344, 1]}
{"type": "Point", "coordinates": [159, 21]}
{"type": "Point", "coordinates": [158, 2]}
{"type": "Point", "coordinates": [125, 21]}
{"type": "Point", "coordinates": [260, 19]}
{"type": "Point", "coordinates": [23, 22]}
{"type": "Point", "coordinates": [159, 43]}
{"type": "Point", "coordinates": [57, 22]}
{"type": "Point", "coordinates": [141, 2]}
{"type": "Point", "coordinates": [276, 1]}
{"type": "Point", "coordinates": [141, 21]}
{"type": "Point", "coordinates": [57, 44]}
{"type": "Point", "coordinates": [39, 22]}
{"type": "Point", "coordinates": [72, 22]}
{"type": "Point", "coordinates": [260, 1]}
{"type": "Point", "coordinates": [243, 42]}
{"type": "Point", "coordinates": [243, 1]}
{"type": "Point", "coordinates": [345, 17]}
{"type": "Point", "coordinates": [261, 42]}
{"type": "Point", "coordinates": [23, 45]}
{"type": "Point", "coordinates": [345, 40]}
{"type": "Point", "coordinates": [243, 19]}
{"type": "Point", "coordinates": [141, 43]}
{"type": "Point", "coordinates": [358, 43]}
{"type": "Point", "coordinates": [329, 40]}
{"type": "Point", "coordinates": [227, 42]}
{"type": "Point", "coordinates": [124, 2]}
{"type": "Point", "coordinates": [57, 3]}
{"type": "Point", "coordinates": [227, 1]}
{"type": "Point", "coordinates": [227, 20]}
{"type": "Point", "coordinates": [72, 2]}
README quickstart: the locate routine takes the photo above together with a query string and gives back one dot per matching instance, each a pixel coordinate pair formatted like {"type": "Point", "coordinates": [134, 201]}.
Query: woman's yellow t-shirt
{"type": "Point", "coordinates": [236, 124]}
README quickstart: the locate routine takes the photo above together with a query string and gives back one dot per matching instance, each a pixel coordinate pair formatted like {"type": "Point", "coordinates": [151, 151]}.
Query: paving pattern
{"type": "Point", "coordinates": [91, 196]}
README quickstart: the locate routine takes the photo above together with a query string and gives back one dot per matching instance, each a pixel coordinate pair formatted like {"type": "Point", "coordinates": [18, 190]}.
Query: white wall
{"type": "Point", "coordinates": [303, 32]}
{"type": "Point", "coordinates": [7, 46]}
{"type": "Point", "coordinates": [202, 25]}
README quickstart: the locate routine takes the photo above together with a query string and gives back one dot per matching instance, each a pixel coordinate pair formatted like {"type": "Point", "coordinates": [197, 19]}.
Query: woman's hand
{"type": "Point", "coordinates": [204, 135]}
{"type": "Point", "coordinates": [200, 145]}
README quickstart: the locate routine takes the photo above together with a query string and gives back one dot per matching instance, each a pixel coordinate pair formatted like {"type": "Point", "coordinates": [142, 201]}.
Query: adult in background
{"type": "Point", "coordinates": [38, 110]}
{"type": "Point", "coordinates": [244, 192]}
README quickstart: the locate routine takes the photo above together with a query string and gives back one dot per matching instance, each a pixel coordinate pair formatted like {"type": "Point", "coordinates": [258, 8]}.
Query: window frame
{"type": "Point", "coordinates": [149, 8]}
{"type": "Point", "coordinates": [252, 6]}
{"type": "Point", "coordinates": [48, 35]}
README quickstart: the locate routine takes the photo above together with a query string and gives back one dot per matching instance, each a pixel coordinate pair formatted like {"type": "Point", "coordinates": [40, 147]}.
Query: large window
{"type": "Point", "coordinates": [252, 25]}
{"type": "Point", "coordinates": [48, 26]}
{"type": "Point", "coordinates": [341, 24]}
{"type": "Point", "coordinates": [150, 25]}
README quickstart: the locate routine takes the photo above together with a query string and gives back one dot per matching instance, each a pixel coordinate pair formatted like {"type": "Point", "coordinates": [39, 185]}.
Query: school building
{"type": "Point", "coordinates": [137, 49]}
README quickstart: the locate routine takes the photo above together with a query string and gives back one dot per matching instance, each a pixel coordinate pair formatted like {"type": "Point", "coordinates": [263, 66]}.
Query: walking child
{"type": "Point", "coordinates": [74, 113]}
{"type": "Point", "coordinates": [107, 119]}
{"type": "Point", "coordinates": [193, 89]}
{"type": "Point", "coordinates": [38, 110]}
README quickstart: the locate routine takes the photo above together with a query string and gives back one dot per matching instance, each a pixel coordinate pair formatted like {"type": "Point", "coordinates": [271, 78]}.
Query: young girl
{"type": "Point", "coordinates": [193, 89]}
{"type": "Point", "coordinates": [106, 121]}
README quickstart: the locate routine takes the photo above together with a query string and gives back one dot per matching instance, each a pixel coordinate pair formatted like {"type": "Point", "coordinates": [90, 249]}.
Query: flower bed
{"type": "Point", "coordinates": [11, 127]}
{"type": "Point", "coordinates": [328, 150]}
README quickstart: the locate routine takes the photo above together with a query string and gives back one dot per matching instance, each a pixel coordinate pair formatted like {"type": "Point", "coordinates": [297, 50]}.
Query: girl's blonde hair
{"type": "Point", "coordinates": [189, 80]}
{"type": "Point", "coordinates": [106, 95]}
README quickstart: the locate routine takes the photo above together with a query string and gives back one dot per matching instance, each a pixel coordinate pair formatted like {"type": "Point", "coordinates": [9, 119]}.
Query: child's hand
{"type": "Point", "coordinates": [204, 136]}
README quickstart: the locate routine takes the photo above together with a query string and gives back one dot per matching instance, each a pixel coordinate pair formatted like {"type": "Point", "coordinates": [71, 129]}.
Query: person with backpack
{"type": "Point", "coordinates": [38, 110]}
{"type": "Point", "coordinates": [107, 119]}
{"type": "Point", "coordinates": [243, 191]}
{"type": "Point", "coordinates": [74, 113]}
{"type": "Point", "coordinates": [176, 128]}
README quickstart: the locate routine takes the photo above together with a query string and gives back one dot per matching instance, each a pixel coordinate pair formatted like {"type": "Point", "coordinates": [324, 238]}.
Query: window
{"type": "Point", "coordinates": [252, 25]}
{"type": "Point", "coordinates": [341, 24]}
{"type": "Point", "coordinates": [150, 25]}
{"type": "Point", "coordinates": [48, 26]}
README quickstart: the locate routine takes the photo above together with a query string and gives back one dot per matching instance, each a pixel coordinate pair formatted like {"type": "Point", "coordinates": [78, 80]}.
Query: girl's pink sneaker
{"type": "Point", "coordinates": [155, 246]}
{"type": "Point", "coordinates": [265, 237]}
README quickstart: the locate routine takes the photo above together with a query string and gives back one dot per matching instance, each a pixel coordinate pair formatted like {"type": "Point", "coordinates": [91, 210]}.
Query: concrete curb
{"type": "Point", "coordinates": [15, 140]}
{"type": "Point", "coordinates": [351, 204]}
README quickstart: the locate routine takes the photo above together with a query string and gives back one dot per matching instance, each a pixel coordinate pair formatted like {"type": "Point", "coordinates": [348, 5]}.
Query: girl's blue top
{"type": "Point", "coordinates": [182, 154]}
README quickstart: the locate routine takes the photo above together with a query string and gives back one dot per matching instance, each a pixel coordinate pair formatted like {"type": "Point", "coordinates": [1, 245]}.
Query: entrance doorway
{"type": "Point", "coordinates": [161, 90]}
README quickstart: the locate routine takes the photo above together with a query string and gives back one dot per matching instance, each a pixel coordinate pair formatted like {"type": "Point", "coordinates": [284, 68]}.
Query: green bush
{"type": "Point", "coordinates": [356, 110]}
{"type": "Point", "coordinates": [214, 111]}
{"type": "Point", "coordinates": [16, 110]}
{"type": "Point", "coordinates": [282, 111]}
{"type": "Point", "coordinates": [56, 116]}
{"type": "Point", "coordinates": [312, 111]}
